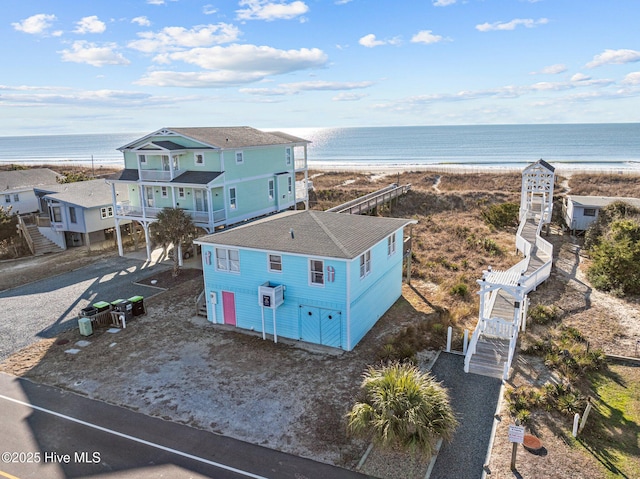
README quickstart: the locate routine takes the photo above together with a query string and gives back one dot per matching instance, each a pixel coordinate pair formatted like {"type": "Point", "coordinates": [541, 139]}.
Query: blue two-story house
{"type": "Point", "coordinates": [314, 276]}
{"type": "Point", "coordinates": [220, 176]}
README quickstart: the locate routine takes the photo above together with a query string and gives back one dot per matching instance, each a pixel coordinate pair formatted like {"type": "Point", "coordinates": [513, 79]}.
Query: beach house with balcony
{"type": "Point", "coordinates": [219, 175]}
{"type": "Point", "coordinates": [314, 276]}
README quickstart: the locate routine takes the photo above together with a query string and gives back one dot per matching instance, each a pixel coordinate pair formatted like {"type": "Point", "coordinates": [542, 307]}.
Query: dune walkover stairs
{"type": "Point", "coordinates": [503, 294]}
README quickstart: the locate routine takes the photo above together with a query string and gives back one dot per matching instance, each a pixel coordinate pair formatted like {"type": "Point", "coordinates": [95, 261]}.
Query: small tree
{"type": "Point", "coordinates": [174, 226]}
{"type": "Point", "coordinates": [402, 407]}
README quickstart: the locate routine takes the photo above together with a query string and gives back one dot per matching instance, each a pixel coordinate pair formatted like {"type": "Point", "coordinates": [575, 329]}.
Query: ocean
{"type": "Point", "coordinates": [576, 146]}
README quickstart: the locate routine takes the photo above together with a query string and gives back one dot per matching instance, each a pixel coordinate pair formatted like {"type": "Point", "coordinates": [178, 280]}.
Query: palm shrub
{"type": "Point", "coordinates": [175, 226]}
{"type": "Point", "coordinates": [402, 407]}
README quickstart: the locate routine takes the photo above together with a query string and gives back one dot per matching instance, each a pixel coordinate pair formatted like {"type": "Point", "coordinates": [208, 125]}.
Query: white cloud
{"type": "Point", "coordinates": [234, 64]}
{"type": "Point", "coordinates": [526, 22]}
{"type": "Point", "coordinates": [209, 10]}
{"type": "Point", "coordinates": [632, 78]}
{"type": "Point", "coordinates": [142, 21]}
{"type": "Point", "coordinates": [35, 24]}
{"type": "Point", "coordinates": [214, 79]}
{"type": "Point", "coordinates": [91, 54]}
{"type": "Point", "coordinates": [155, 2]}
{"type": "Point", "coordinates": [90, 25]}
{"type": "Point", "coordinates": [580, 77]}
{"type": "Point", "coordinates": [348, 96]}
{"type": "Point", "coordinates": [371, 41]}
{"type": "Point", "coordinates": [617, 57]}
{"type": "Point", "coordinates": [553, 69]}
{"type": "Point", "coordinates": [443, 3]}
{"type": "Point", "coordinates": [317, 85]}
{"type": "Point", "coordinates": [172, 38]}
{"type": "Point", "coordinates": [426, 37]}
{"type": "Point", "coordinates": [252, 58]}
{"type": "Point", "coordinates": [269, 11]}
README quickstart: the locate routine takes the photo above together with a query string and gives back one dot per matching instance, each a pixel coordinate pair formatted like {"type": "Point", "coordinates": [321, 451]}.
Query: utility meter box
{"type": "Point", "coordinates": [84, 324]}
{"type": "Point", "coordinates": [270, 296]}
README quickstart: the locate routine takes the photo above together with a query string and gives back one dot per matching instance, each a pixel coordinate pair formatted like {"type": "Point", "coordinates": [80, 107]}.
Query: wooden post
{"type": "Point", "coordinates": [586, 413]}
{"type": "Point", "coordinates": [514, 451]}
{"type": "Point", "coordinates": [449, 332]}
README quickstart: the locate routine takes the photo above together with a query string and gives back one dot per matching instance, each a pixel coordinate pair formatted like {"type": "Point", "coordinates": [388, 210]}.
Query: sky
{"type": "Point", "coordinates": [118, 66]}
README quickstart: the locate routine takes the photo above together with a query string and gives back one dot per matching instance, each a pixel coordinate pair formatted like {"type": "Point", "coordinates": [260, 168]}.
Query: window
{"type": "Point", "coordinates": [275, 263]}
{"type": "Point", "coordinates": [106, 212]}
{"type": "Point", "coordinates": [391, 244]}
{"type": "Point", "coordinates": [199, 159]}
{"type": "Point", "coordinates": [72, 215]}
{"type": "Point", "coordinates": [7, 198]}
{"type": "Point", "coordinates": [589, 212]}
{"type": "Point", "coordinates": [181, 192]}
{"type": "Point", "coordinates": [233, 202]}
{"type": "Point", "coordinates": [239, 157]}
{"type": "Point", "coordinates": [164, 191]}
{"type": "Point", "coordinates": [271, 189]}
{"type": "Point", "coordinates": [227, 260]}
{"type": "Point", "coordinates": [287, 155]}
{"type": "Point", "coordinates": [16, 197]}
{"type": "Point", "coordinates": [142, 159]}
{"type": "Point", "coordinates": [316, 271]}
{"type": "Point", "coordinates": [290, 184]}
{"type": "Point", "coordinates": [365, 264]}
{"type": "Point", "coordinates": [57, 214]}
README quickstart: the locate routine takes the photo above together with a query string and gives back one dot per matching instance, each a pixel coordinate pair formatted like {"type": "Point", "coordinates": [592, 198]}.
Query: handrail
{"type": "Point", "coordinates": [364, 203]}
{"type": "Point", "coordinates": [26, 235]}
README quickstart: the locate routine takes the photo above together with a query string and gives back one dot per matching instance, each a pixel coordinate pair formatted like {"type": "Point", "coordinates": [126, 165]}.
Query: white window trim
{"type": "Point", "coordinates": [195, 159]}
{"type": "Point", "coordinates": [311, 273]}
{"type": "Point", "coordinates": [239, 154]}
{"type": "Point", "coordinates": [164, 192]}
{"type": "Point", "coordinates": [182, 192]}
{"type": "Point", "coordinates": [7, 198]}
{"type": "Point", "coordinates": [271, 188]}
{"type": "Point", "coordinates": [142, 159]}
{"type": "Point", "coordinates": [269, 263]}
{"type": "Point", "coordinates": [228, 262]}
{"type": "Point", "coordinates": [365, 264]}
{"type": "Point", "coordinates": [73, 215]}
{"type": "Point", "coordinates": [290, 184]}
{"type": "Point", "coordinates": [106, 212]}
{"type": "Point", "coordinates": [16, 197]}
{"type": "Point", "coordinates": [391, 245]}
{"type": "Point", "coordinates": [233, 199]}
{"type": "Point", "coordinates": [288, 155]}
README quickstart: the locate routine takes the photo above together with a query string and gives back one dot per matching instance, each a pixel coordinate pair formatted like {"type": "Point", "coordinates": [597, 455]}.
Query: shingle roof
{"type": "Point", "coordinates": [26, 179]}
{"type": "Point", "coordinates": [86, 194]}
{"type": "Point", "coordinates": [601, 201]}
{"type": "Point", "coordinates": [236, 136]}
{"type": "Point", "coordinates": [315, 233]}
{"type": "Point", "coordinates": [197, 177]}
{"type": "Point", "coordinates": [129, 174]}
{"type": "Point", "coordinates": [167, 145]}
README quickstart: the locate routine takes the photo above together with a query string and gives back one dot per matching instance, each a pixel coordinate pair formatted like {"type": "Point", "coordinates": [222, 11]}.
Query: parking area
{"type": "Point", "coordinates": [44, 308]}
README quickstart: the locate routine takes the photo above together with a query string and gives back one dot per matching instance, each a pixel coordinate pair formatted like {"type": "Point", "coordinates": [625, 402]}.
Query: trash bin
{"type": "Point", "coordinates": [123, 307]}
{"type": "Point", "coordinates": [137, 305]}
{"type": "Point", "coordinates": [84, 324]}
{"type": "Point", "coordinates": [102, 306]}
{"type": "Point", "coordinates": [88, 311]}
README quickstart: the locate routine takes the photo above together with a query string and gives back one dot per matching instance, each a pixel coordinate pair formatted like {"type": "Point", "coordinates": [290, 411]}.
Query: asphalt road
{"type": "Point", "coordinates": [48, 432]}
{"type": "Point", "coordinates": [44, 308]}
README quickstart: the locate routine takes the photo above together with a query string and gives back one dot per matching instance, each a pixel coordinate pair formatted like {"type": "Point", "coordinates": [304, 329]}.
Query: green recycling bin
{"type": "Point", "coordinates": [84, 324]}
{"type": "Point", "coordinates": [137, 305]}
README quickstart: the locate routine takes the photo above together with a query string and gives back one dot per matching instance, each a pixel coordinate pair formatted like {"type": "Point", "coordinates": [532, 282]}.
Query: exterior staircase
{"type": "Point", "coordinates": [201, 305]}
{"type": "Point", "coordinates": [41, 244]}
{"type": "Point", "coordinates": [503, 294]}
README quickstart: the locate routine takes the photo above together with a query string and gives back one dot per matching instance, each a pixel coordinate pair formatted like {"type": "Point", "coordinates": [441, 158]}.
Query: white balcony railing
{"type": "Point", "coordinates": [125, 210]}
{"type": "Point", "coordinates": [300, 163]}
{"type": "Point", "coordinates": [158, 175]}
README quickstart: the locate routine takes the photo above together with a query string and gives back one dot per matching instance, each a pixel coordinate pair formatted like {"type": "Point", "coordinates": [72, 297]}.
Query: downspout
{"type": "Point", "coordinates": [348, 279]}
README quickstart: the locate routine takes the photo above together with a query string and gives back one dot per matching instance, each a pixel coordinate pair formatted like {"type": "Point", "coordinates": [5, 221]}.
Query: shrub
{"type": "Point", "coordinates": [401, 406]}
{"type": "Point", "coordinates": [460, 289]}
{"type": "Point", "coordinates": [541, 314]}
{"type": "Point", "coordinates": [503, 215]}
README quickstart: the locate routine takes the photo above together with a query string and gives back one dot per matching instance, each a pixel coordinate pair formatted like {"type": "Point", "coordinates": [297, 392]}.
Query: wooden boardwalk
{"type": "Point", "coordinates": [368, 203]}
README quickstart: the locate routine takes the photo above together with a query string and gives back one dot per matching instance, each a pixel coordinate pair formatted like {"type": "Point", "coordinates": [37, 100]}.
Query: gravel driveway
{"type": "Point", "coordinates": [44, 308]}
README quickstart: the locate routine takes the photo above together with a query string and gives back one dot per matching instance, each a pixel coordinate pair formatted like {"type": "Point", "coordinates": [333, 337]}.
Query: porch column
{"type": "Point", "coordinates": [119, 237]}
{"type": "Point", "coordinates": [306, 179]}
{"type": "Point", "coordinates": [207, 192]}
{"type": "Point", "coordinates": [87, 241]}
{"type": "Point", "coordinates": [147, 240]}
{"type": "Point", "coordinates": [142, 192]}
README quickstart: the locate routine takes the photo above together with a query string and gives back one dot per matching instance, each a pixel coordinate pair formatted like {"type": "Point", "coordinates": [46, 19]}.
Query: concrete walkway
{"type": "Point", "coordinates": [474, 399]}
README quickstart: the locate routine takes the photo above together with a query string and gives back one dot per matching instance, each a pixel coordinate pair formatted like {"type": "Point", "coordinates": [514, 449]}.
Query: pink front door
{"type": "Point", "coordinates": [229, 307]}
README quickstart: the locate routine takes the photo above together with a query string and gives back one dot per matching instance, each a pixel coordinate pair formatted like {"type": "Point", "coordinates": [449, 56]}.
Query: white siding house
{"type": "Point", "coordinates": [580, 211]}
{"type": "Point", "coordinates": [16, 188]}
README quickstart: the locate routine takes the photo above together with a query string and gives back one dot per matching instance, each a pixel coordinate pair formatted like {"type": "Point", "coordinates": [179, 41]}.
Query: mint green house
{"type": "Point", "coordinates": [220, 176]}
